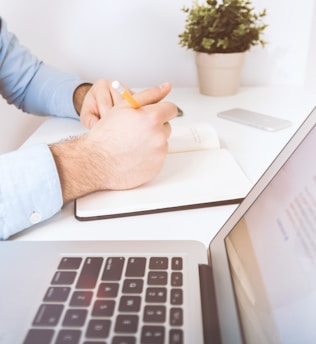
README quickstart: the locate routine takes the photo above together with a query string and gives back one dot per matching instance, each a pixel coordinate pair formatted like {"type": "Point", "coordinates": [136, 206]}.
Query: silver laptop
{"type": "Point", "coordinates": [256, 283]}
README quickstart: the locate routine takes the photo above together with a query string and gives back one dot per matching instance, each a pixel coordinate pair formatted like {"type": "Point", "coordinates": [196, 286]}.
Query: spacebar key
{"type": "Point", "coordinates": [89, 273]}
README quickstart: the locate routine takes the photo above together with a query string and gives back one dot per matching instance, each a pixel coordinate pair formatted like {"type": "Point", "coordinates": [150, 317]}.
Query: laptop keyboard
{"type": "Point", "coordinates": [116, 300]}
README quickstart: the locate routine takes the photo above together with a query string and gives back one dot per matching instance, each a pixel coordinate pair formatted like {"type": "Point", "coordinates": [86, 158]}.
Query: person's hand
{"type": "Point", "coordinates": [124, 149]}
{"type": "Point", "coordinates": [133, 142]}
{"type": "Point", "coordinates": [97, 100]}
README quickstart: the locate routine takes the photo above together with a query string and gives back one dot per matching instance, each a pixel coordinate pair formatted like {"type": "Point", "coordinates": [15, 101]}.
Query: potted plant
{"type": "Point", "coordinates": [220, 32]}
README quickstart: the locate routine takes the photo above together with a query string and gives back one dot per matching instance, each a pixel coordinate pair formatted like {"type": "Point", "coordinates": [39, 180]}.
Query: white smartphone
{"type": "Point", "coordinates": [255, 119]}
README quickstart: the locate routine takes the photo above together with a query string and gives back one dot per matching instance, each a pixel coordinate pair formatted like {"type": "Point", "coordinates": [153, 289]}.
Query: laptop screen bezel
{"type": "Point", "coordinates": [227, 309]}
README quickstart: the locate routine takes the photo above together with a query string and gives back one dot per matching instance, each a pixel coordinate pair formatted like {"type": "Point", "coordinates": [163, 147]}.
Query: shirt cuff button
{"type": "Point", "coordinates": [35, 217]}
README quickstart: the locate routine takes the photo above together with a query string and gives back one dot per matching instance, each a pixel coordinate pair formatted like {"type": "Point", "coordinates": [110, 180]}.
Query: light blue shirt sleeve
{"type": "Point", "coordinates": [32, 85]}
{"type": "Point", "coordinates": [30, 189]}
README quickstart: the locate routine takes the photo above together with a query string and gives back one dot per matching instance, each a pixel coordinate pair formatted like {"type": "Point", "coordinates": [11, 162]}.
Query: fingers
{"type": "Point", "coordinates": [167, 130]}
{"type": "Point", "coordinates": [153, 95]}
{"type": "Point", "coordinates": [97, 102]}
{"type": "Point", "coordinates": [162, 112]}
{"type": "Point", "coordinates": [150, 98]}
{"type": "Point", "coordinates": [101, 91]}
{"type": "Point", "coordinates": [90, 120]}
{"type": "Point", "coordinates": [101, 98]}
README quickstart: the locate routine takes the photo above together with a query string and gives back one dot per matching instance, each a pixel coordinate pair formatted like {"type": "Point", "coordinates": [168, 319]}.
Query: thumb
{"type": "Point", "coordinates": [153, 95]}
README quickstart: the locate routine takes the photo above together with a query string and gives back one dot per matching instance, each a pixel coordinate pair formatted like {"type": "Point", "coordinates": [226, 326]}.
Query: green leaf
{"type": "Point", "coordinates": [224, 26]}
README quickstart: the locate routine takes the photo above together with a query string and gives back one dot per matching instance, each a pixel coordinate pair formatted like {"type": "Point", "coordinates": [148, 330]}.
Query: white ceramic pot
{"type": "Point", "coordinates": [219, 74]}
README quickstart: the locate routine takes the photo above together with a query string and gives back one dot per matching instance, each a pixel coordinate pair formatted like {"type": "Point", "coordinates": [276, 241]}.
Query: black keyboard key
{"type": "Point", "coordinates": [57, 294]}
{"type": "Point", "coordinates": [153, 335]}
{"type": "Point", "coordinates": [126, 324]}
{"type": "Point", "coordinates": [156, 295]}
{"type": "Point", "coordinates": [98, 328]}
{"type": "Point", "coordinates": [176, 263]}
{"type": "Point", "coordinates": [176, 336]}
{"type": "Point", "coordinates": [81, 299]}
{"type": "Point", "coordinates": [69, 263]}
{"type": "Point", "coordinates": [130, 304]}
{"type": "Point", "coordinates": [158, 263]}
{"type": "Point", "coordinates": [39, 336]}
{"type": "Point", "coordinates": [176, 296]}
{"type": "Point", "coordinates": [107, 290]}
{"type": "Point", "coordinates": [113, 269]}
{"type": "Point", "coordinates": [48, 315]}
{"type": "Point", "coordinates": [103, 308]}
{"type": "Point", "coordinates": [89, 273]}
{"type": "Point", "coordinates": [176, 317]}
{"type": "Point", "coordinates": [133, 286]}
{"type": "Point", "coordinates": [154, 314]}
{"type": "Point", "coordinates": [64, 278]}
{"type": "Point", "coordinates": [75, 317]}
{"type": "Point", "coordinates": [124, 340]}
{"type": "Point", "coordinates": [68, 337]}
{"type": "Point", "coordinates": [157, 278]}
{"type": "Point", "coordinates": [136, 267]}
{"type": "Point", "coordinates": [176, 279]}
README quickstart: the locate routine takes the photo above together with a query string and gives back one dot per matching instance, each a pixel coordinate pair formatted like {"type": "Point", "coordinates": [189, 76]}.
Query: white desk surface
{"type": "Point", "coordinates": [254, 150]}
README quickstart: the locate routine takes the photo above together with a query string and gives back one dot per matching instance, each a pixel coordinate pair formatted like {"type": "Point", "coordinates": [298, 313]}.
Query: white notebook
{"type": "Point", "coordinates": [197, 173]}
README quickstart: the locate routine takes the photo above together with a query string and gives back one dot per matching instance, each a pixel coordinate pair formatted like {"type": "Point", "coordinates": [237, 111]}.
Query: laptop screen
{"type": "Point", "coordinates": [272, 255]}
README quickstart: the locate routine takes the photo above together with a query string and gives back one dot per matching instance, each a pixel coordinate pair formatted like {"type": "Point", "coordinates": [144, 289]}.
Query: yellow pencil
{"type": "Point", "coordinates": [125, 94]}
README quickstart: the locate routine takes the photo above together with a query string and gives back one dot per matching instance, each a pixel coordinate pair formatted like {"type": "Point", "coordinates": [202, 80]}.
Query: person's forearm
{"type": "Point", "coordinates": [74, 160]}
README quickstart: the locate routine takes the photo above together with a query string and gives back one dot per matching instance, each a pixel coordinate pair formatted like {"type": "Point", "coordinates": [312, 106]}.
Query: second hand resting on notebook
{"type": "Point", "coordinates": [125, 148]}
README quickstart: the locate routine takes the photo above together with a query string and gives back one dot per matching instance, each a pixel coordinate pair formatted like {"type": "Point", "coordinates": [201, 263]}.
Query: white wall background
{"type": "Point", "coordinates": [137, 42]}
